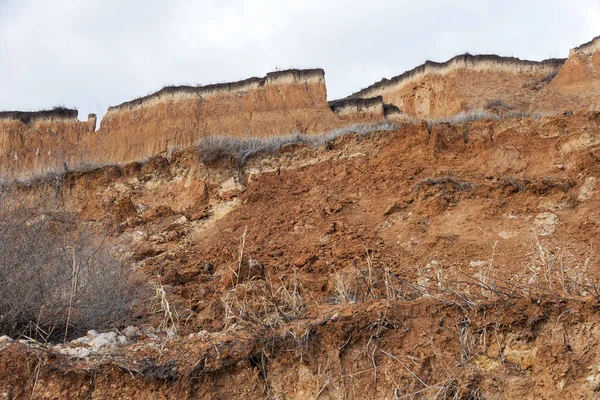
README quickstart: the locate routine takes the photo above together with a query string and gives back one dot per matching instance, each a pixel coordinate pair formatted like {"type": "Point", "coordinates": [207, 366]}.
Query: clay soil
{"type": "Point", "coordinates": [443, 262]}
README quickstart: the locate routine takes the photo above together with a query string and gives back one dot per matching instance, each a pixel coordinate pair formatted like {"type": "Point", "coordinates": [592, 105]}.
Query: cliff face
{"type": "Point", "coordinates": [464, 83]}
{"type": "Point", "coordinates": [293, 101]}
{"type": "Point", "coordinates": [368, 109]}
{"type": "Point", "coordinates": [576, 87]}
{"type": "Point", "coordinates": [33, 143]}
{"type": "Point", "coordinates": [175, 117]}
{"type": "Point", "coordinates": [280, 103]}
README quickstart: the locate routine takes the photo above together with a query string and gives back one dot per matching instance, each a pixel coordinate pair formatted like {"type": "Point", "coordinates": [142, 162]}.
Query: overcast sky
{"type": "Point", "coordinates": [90, 54]}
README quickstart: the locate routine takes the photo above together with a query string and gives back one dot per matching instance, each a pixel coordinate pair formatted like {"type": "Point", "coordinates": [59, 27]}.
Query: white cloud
{"type": "Point", "coordinates": [92, 54]}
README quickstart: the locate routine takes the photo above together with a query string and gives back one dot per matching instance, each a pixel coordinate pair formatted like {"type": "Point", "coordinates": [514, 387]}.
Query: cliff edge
{"type": "Point", "coordinates": [577, 85]}
{"type": "Point", "coordinates": [463, 83]}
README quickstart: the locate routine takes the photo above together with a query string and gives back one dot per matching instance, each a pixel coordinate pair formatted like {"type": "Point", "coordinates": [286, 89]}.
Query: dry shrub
{"type": "Point", "coordinates": [216, 147]}
{"type": "Point", "coordinates": [477, 115]}
{"type": "Point", "coordinates": [57, 276]}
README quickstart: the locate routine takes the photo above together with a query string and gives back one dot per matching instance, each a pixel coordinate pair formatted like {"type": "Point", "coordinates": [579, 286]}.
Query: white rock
{"type": "Point", "coordinates": [81, 340]}
{"type": "Point", "coordinates": [478, 264]}
{"type": "Point", "coordinates": [507, 235]}
{"type": "Point", "coordinates": [546, 223]}
{"type": "Point", "coordinates": [78, 352]}
{"type": "Point", "coordinates": [586, 192]}
{"type": "Point", "coordinates": [92, 334]}
{"type": "Point", "coordinates": [108, 339]}
{"type": "Point", "coordinates": [131, 331]}
{"type": "Point", "coordinates": [5, 340]}
{"type": "Point", "coordinates": [121, 340]}
{"type": "Point", "coordinates": [181, 220]}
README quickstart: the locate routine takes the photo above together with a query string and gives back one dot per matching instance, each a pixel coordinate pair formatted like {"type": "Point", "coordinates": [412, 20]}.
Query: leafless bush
{"type": "Point", "coordinates": [215, 147]}
{"type": "Point", "coordinates": [57, 278]}
{"type": "Point", "coordinates": [455, 182]}
{"type": "Point", "coordinates": [258, 303]}
{"type": "Point", "coordinates": [477, 115]}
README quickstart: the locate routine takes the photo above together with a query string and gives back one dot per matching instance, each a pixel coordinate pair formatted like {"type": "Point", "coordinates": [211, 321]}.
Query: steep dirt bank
{"type": "Point", "coordinates": [500, 85]}
{"type": "Point", "coordinates": [285, 102]}
{"type": "Point", "coordinates": [282, 102]}
{"type": "Point", "coordinates": [577, 84]}
{"type": "Point", "coordinates": [173, 118]}
{"type": "Point", "coordinates": [464, 83]}
{"type": "Point", "coordinates": [33, 143]}
{"type": "Point", "coordinates": [451, 260]}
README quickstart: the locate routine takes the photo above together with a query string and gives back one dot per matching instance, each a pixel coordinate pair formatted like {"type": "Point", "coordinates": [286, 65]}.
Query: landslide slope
{"type": "Point", "coordinates": [443, 261]}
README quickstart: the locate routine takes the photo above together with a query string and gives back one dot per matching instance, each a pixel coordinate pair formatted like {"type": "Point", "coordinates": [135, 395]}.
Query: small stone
{"type": "Point", "coordinates": [587, 189]}
{"type": "Point", "coordinates": [392, 209]}
{"type": "Point", "coordinates": [478, 264]}
{"type": "Point", "coordinates": [103, 340]}
{"type": "Point", "coordinates": [77, 352]}
{"type": "Point", "coordinates": [82, 340]}
{"type": "Point", "coordinates": [507, 235]}
{"type": "Point", "coordinates": [5, 339]}
{"type": "Point", "coordinates": [332, 228]}
{"type": "Point", "coordinates": [302, 260]}
{"type": "Point", "coordinates": [546, 223]}
{"type": "Point", "coordinates": [131, 332]}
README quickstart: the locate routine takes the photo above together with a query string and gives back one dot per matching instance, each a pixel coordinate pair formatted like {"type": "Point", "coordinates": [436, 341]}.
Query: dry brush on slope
{"type": "Point", "coordinates": [58, 277]}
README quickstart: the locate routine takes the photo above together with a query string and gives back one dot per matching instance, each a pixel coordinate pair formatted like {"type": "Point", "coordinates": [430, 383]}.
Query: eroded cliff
{"type": "Point", "coordinates": [293, 101]}
{"type": "Point", "coordinates": [282, 102]}
{"type": "Point", "coordinates": [173, 118]}
{"type": "Point", "coordinates": [577, 85]}
{"type": "Point", "coordinates": [464, 83]}
{"type": "Point", "coordinates": [34, 143]}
